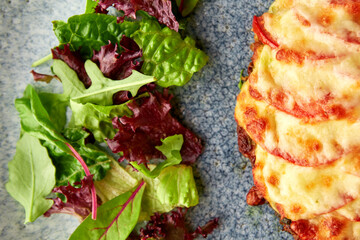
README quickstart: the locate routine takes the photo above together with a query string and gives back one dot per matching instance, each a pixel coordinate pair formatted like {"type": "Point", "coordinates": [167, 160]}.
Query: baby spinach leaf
{"type": "Point", "coordinates": [88, 32]}
{"type": "Point", "coordinates": [167, 56]}
{"type": "Point", "coordinates": [31, 177]}
{"type": "Point", "coordinates": [116, 218]}
{"type": "Point", "coordinates": [97, 118]}
{"type": "Point", "coordinates": [171, 149]}
{"type": "Point", "coordinates": [102, 89]}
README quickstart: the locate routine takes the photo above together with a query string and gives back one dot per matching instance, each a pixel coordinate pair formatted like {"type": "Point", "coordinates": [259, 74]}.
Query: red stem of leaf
{"type": "Point", "coordinates": [87, 172]}
{"type": "Point", "coordinates": [181, 7]}
{"type": "Point", "coordinates": [123, 207]}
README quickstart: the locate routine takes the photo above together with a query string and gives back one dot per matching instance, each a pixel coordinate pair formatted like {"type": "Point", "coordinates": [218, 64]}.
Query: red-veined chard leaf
{"type": "Point", "coordinates": [68, 169]}
{"type": "Point", "coordinates": [174, 187]}
{"type": "Point", "coordinates": [116, 218]}
{"type": "Point", "coordinates": [31, 177]}
{"type": "Point", "coordinates": [36, 121]}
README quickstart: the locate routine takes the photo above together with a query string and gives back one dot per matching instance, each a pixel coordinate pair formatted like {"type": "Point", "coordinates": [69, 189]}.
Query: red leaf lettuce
{"type": "Point", "coordinates": [151, 122]}
{"type": "Point", "coordinates": [160, 9]}
{"type": "Point", "coordinates": [172, 226]}
{"type": "Point", "coordinates": [78, 200]}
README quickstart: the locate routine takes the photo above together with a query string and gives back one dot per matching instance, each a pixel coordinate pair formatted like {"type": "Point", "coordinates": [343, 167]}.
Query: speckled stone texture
{"type": "Point", "coordinates": [223, 29]}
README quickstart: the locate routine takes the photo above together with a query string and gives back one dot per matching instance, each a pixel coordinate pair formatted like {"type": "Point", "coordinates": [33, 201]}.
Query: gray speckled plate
{"type": "Point", "coordinates": [206, 105]}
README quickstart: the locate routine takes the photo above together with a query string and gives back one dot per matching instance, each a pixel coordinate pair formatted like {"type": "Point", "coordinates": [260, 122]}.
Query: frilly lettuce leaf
{"type": "Point", "coordinates": [116, 218]}
{"type": "Point", "coordinates": [31, 177]}
{"type": "Point", "coordinates": [88, 32]}
{"type": "Point", "coordinates": [167, 56]}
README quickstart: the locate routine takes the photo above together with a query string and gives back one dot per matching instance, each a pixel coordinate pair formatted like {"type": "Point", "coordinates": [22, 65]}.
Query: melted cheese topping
{"type": "Point", "coordinates": [315, 26]}
{"type": "Point", "coordinates": [312, 91]}
{"type": "Point", "coordinates": [301, 106]}
{"type": "Point", "coordinates": [302, 192]}
{"type": "Point", "coordinates": [288, 137]}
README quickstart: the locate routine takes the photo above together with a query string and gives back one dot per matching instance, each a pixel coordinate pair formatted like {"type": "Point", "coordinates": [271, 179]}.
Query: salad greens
{"type": "Point", "coordinates": [35, 177]}
{"type": "Point", "coordinates": [112, 70]}
{"type": "Point", "coordinates": [167, 56]}
{"type": "Point", "coordinates": [89, 32]}
{"type": "Point", "coordinates": [116, 218]}
{"type": "Point", "coordinates": [171, 149]}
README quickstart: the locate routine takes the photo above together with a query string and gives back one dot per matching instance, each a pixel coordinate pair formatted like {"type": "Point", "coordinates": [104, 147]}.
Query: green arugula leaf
{"type": "Point", "coordinates": [31, 177]}
{"type": "Point", "coordinates": [170, 59]}
{"type": "Point", "coordinates": [115, 220]}
{"type": "Point", "coordinates": [88, 32]}
{"type": "Point", "coordinates": [68, 169]}
{"type": "Point", "coordinates": [102, 89]}
{"type": "Point", "coordinates": [174, 187]}
{"type": "Point", "coordinates": [91, 5]}
{"type": "Point", "coordinates": [171, 149]}
{"type": "Point", "coordinates": [97, 118]}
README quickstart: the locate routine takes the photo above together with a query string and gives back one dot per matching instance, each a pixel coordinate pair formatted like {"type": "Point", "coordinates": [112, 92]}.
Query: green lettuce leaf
{"type": "Point", "coordinates": [171, 149]}
{"type": "Point", "coordinates": [97, 118]}
{"type": "Point", "coordinates": [167, 56]}
{"type": "Point", "coordinates": [91, 5]}
{"type": "Point", "coordinates": [88, 32]}
{"type": "Point", "coordinates": [174, 187]}
{"type": "Point", "coordinates": [31, 177]}
{"type": "Point", "coordinates": [162, 194]}
{"type": "Point", "coordinates": [116, 218]}
{"type": "Point", "coordinates": [102, 89]}
{"type": "Point", "coordinates": [117, 181]}
{"type": "Point", "coordinates": [68, 169]}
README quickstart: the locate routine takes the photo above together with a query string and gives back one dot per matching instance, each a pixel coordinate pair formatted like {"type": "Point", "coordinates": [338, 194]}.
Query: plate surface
{"type": "Point", "coordinates": [206, 105]}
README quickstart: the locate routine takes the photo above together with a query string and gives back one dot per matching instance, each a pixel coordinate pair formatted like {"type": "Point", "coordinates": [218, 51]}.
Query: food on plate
{"type": "Point", "coordinates": [298, 116]}
{"type": "Point", "coordinates": [115, 64]}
